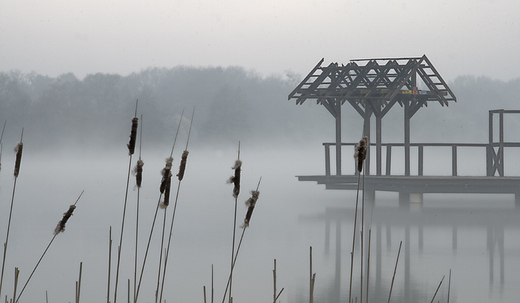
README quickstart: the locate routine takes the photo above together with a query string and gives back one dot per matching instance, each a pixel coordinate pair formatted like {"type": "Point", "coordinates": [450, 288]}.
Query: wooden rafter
{"type": "Point", "coordinates": [381, 82]}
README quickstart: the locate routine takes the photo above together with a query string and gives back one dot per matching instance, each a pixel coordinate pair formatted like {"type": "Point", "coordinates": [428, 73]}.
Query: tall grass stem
{"type": "Point", "coordinates": [435, 294]}
{"type": "Point", "coordinates": [41, 257]}
{"type": "Point", "coordinates": [109, 262]}
{"type": "Point", "coordinates": [147, 248]}
{"type": "Point", "coordinates": [395, 270]}
{"type": "Point", "coordinates": [131, 147]}
{"type": "Point", "coordinates": [18, 160]}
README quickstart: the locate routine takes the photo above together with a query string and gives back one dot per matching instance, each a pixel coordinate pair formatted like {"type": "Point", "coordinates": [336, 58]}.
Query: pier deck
{"type": "Point", "coordinates": [421, 184]}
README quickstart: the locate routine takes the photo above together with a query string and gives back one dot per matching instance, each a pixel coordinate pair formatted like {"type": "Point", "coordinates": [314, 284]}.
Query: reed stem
{"type": "Point", "coordinates": [45, 251]}
{"type": "Point", "coordinates": [362, 240]}
{"type": "Point", "coordinates": [449, 287]}
{"type": "Point", "coordinates": [147, 248]}
{"type": "Point", "coordinates": [368, 262]}
{"type": "Point", "coordinates": [395, 270]}
{"type": "Point", "coordinates": [311, 280]}
{"type": "Point", "coordinates": [169, 237]}
{"type": "Point", "coordinates": [353, 242]}
{"type": "Point", "coordinates": [234, 262]}
{"type": "Point", "coordinates": [274, 281]}
{"type": "Point", "coordinates": [122, 229]}
{"type": "Point", "coordinates": [180, 177]}
{"type": "Point", "coordinates": [18, 160]}
{"type": "Point", "coordinates": [360, 155]}
{"type": "Point", "coordinates": [434, 295]}
{"type": "Point", "coordinates": [16, 273]}
{"type": "Point", "coordinates": [131, 148]}
{"type": "Point", "coordinates": [166, 178]}
{"type": "Point", "coordinates": [139, 179]}
{"type": "Point", "coordinates": [1, 146]}
{"type": "Point", "coordinates": [109, 261]}
{"type": "Point", "coordinates": [251, 202]}
{"type": "Point", "coordinates": [236, 191]}
{"type": "Point", "coordinates": [160, 259]}
{"type": "Point", "coordinates": [37, 264]}
{"type": "Point", "coordinates": [79, 282]}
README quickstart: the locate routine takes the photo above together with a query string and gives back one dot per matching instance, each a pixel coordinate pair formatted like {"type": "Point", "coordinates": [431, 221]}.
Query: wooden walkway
{"type": "Point", "coordinates": [422, 184]}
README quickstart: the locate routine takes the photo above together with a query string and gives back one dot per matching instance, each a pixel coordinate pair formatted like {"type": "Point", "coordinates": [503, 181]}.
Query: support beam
{"type": "Point", "coordinates": [378, 145]}
{"type": "Point", "coordinates": [368, 114]}
{"type": "Point", "coordinates": [407, 117]}
{"type": "Point", "coordinates": [338, 137]}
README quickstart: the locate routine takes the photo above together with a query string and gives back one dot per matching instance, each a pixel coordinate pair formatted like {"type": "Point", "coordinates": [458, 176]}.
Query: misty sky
{"type": "Point", "coordinates": [478, 37]}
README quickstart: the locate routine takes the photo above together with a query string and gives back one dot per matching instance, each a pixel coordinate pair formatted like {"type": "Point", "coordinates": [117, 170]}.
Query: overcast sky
{"type": "Point", "coordinates": [478, 37]}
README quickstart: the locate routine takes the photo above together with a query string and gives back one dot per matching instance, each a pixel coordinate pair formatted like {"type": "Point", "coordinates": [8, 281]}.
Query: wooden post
{"type": "Point", "coordinates": [454, 160]}
{"type": "Point", "coordinates": [338, 137]}
{"type": "Point", "coordinates": [489, 151]}
{"type": "Point", "coordinates": [407, 117]}
{"type": "Point", "coordinates": [378, 145]}
{"type": "Point", "coordinates": [501, 148]}
{"type": "Point", "coordinates": [327, 159]}
{"type": "Point", "coordinates": [368, 114]}
{"type": "Point", "coordinates": [420, 164]}
{"type": "Point", "coordinates": [388, 159]}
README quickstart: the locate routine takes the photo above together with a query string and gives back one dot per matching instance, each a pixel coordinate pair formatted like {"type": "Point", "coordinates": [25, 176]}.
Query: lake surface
{"type": "Point", "coordinates": [290, 216]}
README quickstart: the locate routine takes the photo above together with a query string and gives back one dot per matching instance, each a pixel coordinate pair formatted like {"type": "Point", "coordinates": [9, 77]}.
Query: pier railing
{"type": "Point", "coordinates": [494, 156]}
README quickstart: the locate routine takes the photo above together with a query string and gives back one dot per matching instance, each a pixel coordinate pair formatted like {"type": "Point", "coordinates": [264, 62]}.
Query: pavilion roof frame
{"type": "Point", "coordinates": [382, 81]}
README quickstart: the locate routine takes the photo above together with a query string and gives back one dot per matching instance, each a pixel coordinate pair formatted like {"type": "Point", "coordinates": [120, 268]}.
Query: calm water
{"type": "Point", "coordinates": [290, 217]}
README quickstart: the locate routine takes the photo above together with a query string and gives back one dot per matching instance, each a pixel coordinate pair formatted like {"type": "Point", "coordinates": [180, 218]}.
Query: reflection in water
{"type": "Point", "coordinates": [427, 232]}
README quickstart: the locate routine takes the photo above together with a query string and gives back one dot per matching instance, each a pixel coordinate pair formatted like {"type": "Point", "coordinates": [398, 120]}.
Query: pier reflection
{"type": "Point", "coordinates": [442, 228]}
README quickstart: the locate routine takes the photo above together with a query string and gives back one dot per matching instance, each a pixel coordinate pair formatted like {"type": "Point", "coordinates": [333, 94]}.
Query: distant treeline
{"type": "Point", "coordinates": [231, 104]}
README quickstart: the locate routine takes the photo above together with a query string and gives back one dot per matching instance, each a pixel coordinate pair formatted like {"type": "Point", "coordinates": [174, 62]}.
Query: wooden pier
{"type": "Point", "coordinates": [372, 87]}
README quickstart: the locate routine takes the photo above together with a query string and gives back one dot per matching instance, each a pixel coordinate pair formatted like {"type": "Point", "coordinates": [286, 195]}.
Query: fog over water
{"type": "Point", "coordinates": [289, 217]}
{"type": "Point", "coordinates": [75, 139]}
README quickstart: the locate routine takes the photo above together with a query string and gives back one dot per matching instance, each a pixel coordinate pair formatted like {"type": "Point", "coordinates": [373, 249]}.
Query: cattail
{"type": "Point", "coordinates": [182, 167]}
{"type": "Point", "coordinates": [236, 178]}
{"type": "Point", "coordinates": [18, 150]}
{"type": "Point", "coordinates": [166, 200]}
{"type": "Point", "coordinates": [61, 225]}
{"type": "Point", "coordinates": [166, 173]}
{"type": "Point", "coordinates": [250, 203]}
{"type": "Point", "coordinates": [166, 182]}
{"type": "Point", "coordinates": [138, 171]}
{"type": "Point", "coordinates": [361, 153]}
{"type": "Point", "coordinates": [133, 136]}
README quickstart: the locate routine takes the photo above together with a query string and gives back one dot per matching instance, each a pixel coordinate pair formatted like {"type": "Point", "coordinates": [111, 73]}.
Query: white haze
{"type": "Point", "coordinates": [85, 37]}
{"type": "Point", "coordinates": [286, 221]}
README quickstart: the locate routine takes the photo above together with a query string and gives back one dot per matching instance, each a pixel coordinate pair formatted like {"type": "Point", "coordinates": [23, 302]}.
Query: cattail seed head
{"type": "Point", "coordinates": [133, 136]}
{"type": "Point", "coordinates": [182, 167]}
{"type": "Point", "coordinates": [61, 225]}
{"type": "Point", "coordinates": [18, 149]}
{"type": "Point", "coordinates": [166, 199]}
{"type": "Point", "coordinates": [361, 153]}
{"type": "Point", "coordinates": [138, 171]}
{"type": "Point", "coordinates": [236, 178]}
{"type": "Point", "coordinates": [250, 203]}
{"type": "Point", "coordinates": [166, 173]}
